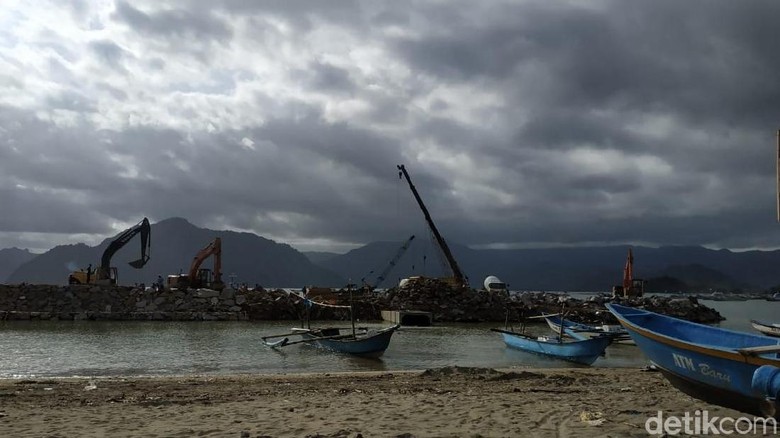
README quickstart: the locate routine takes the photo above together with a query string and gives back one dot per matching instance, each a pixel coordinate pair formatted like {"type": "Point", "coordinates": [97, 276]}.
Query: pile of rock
{"type": "Point", "coordinates": [445, 302]}
{"type": "Point", "coordinates": [468, 305]}
{"type": "Point", "coordinates": [46, 302]}
{"type": "Point", "coordinates": [593, 310]}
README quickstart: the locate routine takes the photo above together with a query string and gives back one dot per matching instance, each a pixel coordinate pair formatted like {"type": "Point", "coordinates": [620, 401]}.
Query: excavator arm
{"type": "Point", "coordinates": [142, 228]}
{"type": "Point", "coordinates": [214, 248]}
{"type": "Point", "coordinates": [460, 279]}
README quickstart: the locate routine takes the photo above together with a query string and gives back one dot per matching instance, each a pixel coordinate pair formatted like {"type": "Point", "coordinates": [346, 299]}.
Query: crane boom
{"type": "Point", "coordinates": [381, 277]}
{"type": "Point", "coordinates": [460, 279]}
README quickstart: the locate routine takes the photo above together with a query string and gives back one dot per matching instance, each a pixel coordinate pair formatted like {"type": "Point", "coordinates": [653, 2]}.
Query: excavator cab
{"type": "Point", "coordinates": [205, 277]}
{"type": "Point", "coordinates": [81, 277]}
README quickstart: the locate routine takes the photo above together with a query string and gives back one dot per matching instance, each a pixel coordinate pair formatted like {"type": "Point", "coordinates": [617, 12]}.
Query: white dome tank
{"type": "Point", "coordinates": [493, 284]}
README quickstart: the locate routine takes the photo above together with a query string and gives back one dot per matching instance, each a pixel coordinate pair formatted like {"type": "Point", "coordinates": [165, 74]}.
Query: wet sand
{"type": "Point", "coordinates": [447, 402]}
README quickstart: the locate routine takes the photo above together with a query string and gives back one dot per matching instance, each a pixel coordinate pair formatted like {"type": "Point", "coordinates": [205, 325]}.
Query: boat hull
{"type": "Point", "coordinates": [372, 345]}
{"type": "Point", "coordinates": [689, 356]}
{"type": "Point", "coordinates": [767, 329]}
{"type": "Point", "coordinates": [584, 352]}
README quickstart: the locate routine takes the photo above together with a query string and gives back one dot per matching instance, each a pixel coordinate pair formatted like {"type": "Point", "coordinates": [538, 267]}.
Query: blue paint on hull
{"type": "Point", "coordinates": [700, 360]}
{"type": "Point", "coordinates": [580, 351]}
{"type": "Point", "coordinates": [371, 345]}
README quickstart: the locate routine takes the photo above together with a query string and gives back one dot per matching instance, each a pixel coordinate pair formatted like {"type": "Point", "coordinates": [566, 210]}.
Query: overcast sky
{"type": "Point", "coordinates": [522, 123]}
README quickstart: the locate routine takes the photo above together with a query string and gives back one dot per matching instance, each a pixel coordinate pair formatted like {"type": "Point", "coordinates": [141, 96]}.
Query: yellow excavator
{"type": "Point", "coordinates": [198, 277]}
{"type": "Point", "coordinates": [105, 274]}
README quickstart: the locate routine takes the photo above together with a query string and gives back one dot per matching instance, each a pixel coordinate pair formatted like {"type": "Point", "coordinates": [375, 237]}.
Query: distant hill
{"type": "Point", "coordinates": [571, 269]}
{"type": "Point", "coordinates": [319, 256]}
{"type": "Point", "coordinates": [12, 258]}
{"type": "Point", "coordinates": [256, 260]}
{"type": "Point", "coordinates": [174, 243]}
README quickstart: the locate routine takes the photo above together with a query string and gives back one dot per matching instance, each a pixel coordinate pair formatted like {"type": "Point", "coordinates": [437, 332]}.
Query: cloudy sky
{"type": "Point", "coordinates": [522, 123]}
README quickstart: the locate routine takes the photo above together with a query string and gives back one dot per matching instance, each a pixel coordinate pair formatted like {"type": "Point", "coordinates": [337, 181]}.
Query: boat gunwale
{"type": "Point", "coordinates": [730, 353]}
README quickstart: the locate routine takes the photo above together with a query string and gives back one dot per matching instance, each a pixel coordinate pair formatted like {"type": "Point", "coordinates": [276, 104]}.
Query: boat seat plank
{"type": "Point", "coordinates": [752, 351]}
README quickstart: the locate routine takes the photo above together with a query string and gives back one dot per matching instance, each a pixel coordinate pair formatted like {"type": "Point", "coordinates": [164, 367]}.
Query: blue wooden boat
{"type": "Point", "coordinates": [362, 342]}
{"type": "Point", "coordinates": [581, 331]}
{"type": "Point", "coordinates": [582, 351]}
{"type": "Point", "coordinates": [724, 367]}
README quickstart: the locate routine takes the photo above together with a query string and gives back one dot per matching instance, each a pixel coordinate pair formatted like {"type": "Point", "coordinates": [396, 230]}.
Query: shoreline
{"type": "Point", "coordinates": [449, 401]}
{"type": "Point", "coordinates": [354, 373]}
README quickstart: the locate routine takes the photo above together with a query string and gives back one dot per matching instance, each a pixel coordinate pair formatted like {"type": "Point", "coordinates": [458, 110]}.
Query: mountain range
{"type": "Point", "coordinates": [248, 258]}
{"type": "Point", "coordinates": [692, 268]}
{"type": "Point", "coordinates": [11, 259]}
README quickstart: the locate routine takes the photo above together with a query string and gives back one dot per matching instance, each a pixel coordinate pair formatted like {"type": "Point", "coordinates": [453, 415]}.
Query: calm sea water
{"type": "Point", "coordinates": [135, 348]}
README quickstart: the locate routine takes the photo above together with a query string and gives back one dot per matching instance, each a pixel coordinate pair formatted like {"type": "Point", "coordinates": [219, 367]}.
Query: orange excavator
{"type": "Point", "coordinates": [198, 277]}
{"type": "Point", "coordinates": [631, 287]}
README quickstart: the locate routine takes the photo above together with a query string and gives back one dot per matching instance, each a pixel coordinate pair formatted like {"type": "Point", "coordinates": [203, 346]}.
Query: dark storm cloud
{"type": "Point", "coordinates": [219, 176]}
{"type": "Point", "coordinates": [329, 78]}
{"type": "Point", "coordinates": [303, 14]}
{"type": "Point", "coordinates": [109, 53]}
{"type": "Point", "coordinates": [182, 23]}
{"type": "Point", "coordinates": [72, 101]}
{"type": "Point", "coordinates": [523, 122]}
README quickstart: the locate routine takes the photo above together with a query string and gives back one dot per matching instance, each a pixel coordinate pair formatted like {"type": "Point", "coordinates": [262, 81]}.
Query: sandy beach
{"type": "Point", "coordinates": [446, 402]}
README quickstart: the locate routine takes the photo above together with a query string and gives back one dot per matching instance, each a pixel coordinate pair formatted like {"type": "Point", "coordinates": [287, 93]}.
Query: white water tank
{"type": "Point", "coordinates": [493, 284]}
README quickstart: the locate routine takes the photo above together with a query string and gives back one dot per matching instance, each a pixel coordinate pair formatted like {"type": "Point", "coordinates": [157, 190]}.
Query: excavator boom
{"type": "Point", "coordinates": [460, 279]}
{"type": "Point", "coordinates": [214, 248]}
{"type": "Point", "coordinates": [144, 229]}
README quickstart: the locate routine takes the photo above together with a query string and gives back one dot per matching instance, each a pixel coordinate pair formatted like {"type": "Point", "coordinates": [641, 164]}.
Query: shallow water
{"type": "Point", "coordinates": [113, 348]}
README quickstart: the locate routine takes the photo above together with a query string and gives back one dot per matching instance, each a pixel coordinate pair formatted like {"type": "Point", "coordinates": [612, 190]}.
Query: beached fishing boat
{"type": "Point", "coordinates": [582, 351]}
{"type": "Point", "coordinates": [358, 342]}
{"type": "Point", "coordinates": [724, 367]}
{"type": "Point", "coordinates": [581, 331]}
{"type": "Point", "coordinates": [351, 340]}
{"type": "Point", "coordinates": [766, 328]}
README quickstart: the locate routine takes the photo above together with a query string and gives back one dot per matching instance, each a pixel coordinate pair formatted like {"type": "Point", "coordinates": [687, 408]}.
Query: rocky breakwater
{"type": "Point", "coordinates": [445, 302]}
{"type": "Point", "coordinates": [468, 305]}
{"type": "Point", "coordinates": [593, 310]}
{"type": "Point", "coordinates": [84, 302]}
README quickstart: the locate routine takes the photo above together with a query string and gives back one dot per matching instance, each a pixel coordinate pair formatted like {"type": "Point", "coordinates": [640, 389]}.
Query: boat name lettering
{"type": "Point", "coordinates": [683, 362]}
{"type": "Point", "coordinates": [704, 369]}
{"type": "Point", "coordinates": [709, 372]}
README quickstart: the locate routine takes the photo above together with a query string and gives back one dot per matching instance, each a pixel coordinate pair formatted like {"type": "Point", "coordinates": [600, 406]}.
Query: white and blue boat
{"type": "Point", "coordinates": [767, 328]}
{"type": "Point", "coordinates": [582, 331]}
{"type": "Point", "coordinates": [582, 351]}
{"type": "Point", "coordinates": [725, 367]}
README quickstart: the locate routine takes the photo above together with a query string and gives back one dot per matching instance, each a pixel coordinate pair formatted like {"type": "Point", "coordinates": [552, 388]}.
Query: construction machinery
{"type": "Point", "coordinates": [457, 279]}
{"type": "Point", "coordinates": [381, 277]}
{"type": "Point", "coordinates": [631, 287]}
{"type": "Point", "coordinates": [198, 277]}
{"type": "Point", "coordinates": [105, 274]}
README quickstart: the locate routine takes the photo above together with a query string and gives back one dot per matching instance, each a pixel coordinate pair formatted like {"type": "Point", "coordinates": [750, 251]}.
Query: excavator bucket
{"type": "Point", "coordinates": [145, 229]}
{"type": "Point", "coordinates": [138, 264]}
